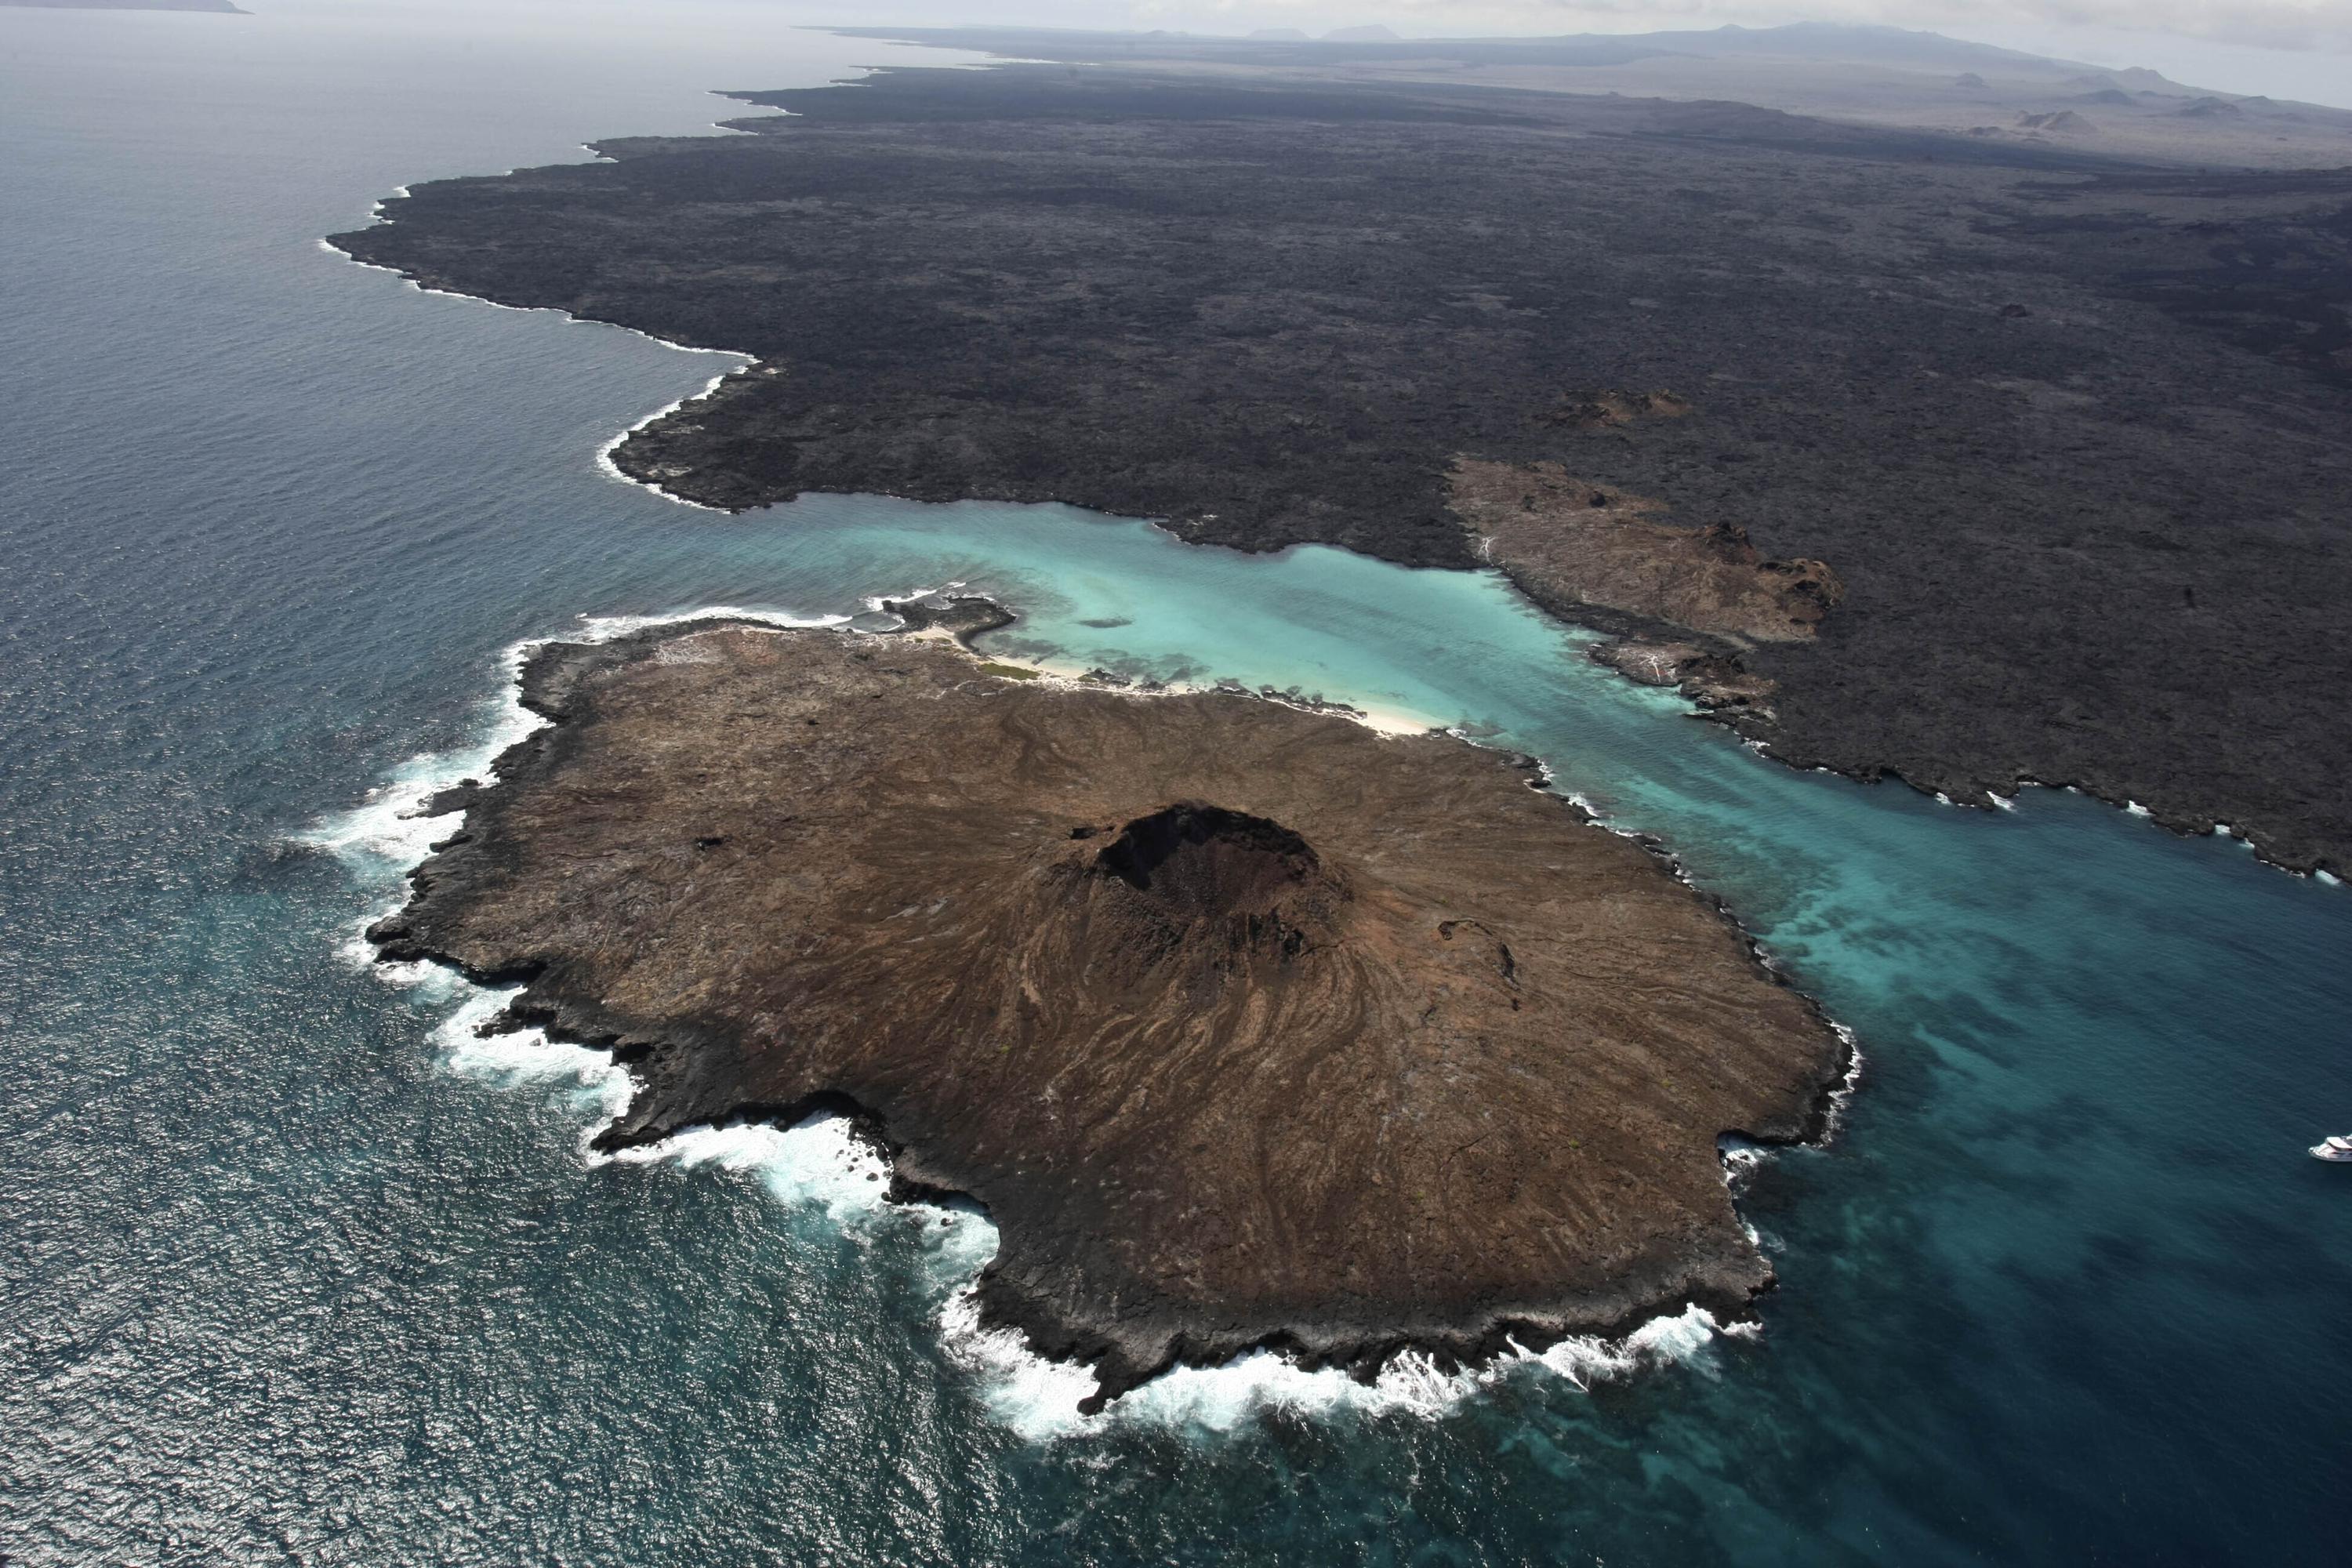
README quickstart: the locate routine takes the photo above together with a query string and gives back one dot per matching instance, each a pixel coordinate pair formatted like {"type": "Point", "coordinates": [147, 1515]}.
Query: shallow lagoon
{"type": "Point", "coordinates": [297, 1270]}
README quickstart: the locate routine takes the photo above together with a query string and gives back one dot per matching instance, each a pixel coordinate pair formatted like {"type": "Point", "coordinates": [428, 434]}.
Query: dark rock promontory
{"type": "Point", "coordinates": [1248, 1024]}
{"type": "Point", "coordinates": [2071, 435]}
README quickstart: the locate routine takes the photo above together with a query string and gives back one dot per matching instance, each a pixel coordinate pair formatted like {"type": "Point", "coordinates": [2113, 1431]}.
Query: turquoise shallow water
{"type": "Point", "coordinates": [295, 1273]}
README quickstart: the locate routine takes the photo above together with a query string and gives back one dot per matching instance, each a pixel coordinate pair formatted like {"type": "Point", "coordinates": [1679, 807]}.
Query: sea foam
{"type": "Point", "coordinates": [589, 1083]}
{"type": "Point", "coordinates": [818, 1163]}
{"type": "Point", "coordinates": [605, 464]}
{"type": "Point", "coordinates": [389, 833]}
{"type": "Point", "coordinates": [1039, 1399]}
{"type": "Point", "coordinates": [612, 471]}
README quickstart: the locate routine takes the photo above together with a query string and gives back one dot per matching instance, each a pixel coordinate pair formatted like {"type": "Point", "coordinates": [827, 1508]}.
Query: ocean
{"type": "Point", "coordinates": [299, 1269]}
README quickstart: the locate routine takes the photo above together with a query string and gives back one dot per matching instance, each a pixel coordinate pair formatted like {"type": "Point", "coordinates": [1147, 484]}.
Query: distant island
{"type": "Point", "coordinates": [213, 5]}
{"type": "Point", "coordinates": [1973, 452]}
{"type": "Point", "coordinates": [1248, 1024]}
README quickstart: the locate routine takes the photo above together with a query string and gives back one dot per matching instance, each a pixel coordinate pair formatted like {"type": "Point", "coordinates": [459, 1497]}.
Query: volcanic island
{"type": "Point", "coordinates": [1249, 1024]}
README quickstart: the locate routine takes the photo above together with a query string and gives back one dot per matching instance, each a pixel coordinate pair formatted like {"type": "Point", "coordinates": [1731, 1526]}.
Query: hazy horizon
{"type": "Point", "coordinates": [2283, 49]}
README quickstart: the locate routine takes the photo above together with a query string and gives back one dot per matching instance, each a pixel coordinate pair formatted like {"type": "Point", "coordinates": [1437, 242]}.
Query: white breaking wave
{"type": "Point", "coordinates": [1219, 1399]}
{"type": "Point", "coordinates": [874, 603]}
{"type": "Point", "coordinates": [1741, 1159]}
{"type": "Point", "coordinates": [817, 1162]}
{"type": "Point", "coordinates": [605, 464]}
{"type": "Point", "coordinates": [1842, 1098]}
{"type": "Point", "coordinates": [517, 1059]}
{"type": "Point", "coordinates": [612, 471]}
{"type": "Point", "coordinates": [1038, 1399]}
{"type": "Point", "coordinates": [605, 628]}
{"type": "Point", "coordinates": [388, 834]}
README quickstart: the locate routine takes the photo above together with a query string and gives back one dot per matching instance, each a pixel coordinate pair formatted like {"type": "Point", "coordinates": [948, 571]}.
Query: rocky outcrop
{"type": "Point", "coordinates": [1718, 682]}
{"type": "Point", "coordinates": [1608, 410]}
{"type": "Point", "coordinates": [1576, 546]}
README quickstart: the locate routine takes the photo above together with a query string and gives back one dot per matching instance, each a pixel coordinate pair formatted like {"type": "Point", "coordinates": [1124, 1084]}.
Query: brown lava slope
{"type": "Point", "coordinates": [1248, 1024]}
{"type": "Point", "coordinates": [1609, 559]}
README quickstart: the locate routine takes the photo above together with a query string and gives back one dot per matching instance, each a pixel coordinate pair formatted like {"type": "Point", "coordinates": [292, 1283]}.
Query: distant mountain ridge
{"type": "Point", "coordinates": [1893, 78]}
{"type": "Point", "coordinates": [1826, 42]}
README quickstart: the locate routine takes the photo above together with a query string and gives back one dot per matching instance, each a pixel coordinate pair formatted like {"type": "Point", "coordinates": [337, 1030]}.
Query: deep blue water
{"type": "Point", "coordinates": [295, 1272]}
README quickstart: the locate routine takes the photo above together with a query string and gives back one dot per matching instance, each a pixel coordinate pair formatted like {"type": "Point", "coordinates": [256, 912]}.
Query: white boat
{"type": "Point", "coordinates": [2333, 1149]}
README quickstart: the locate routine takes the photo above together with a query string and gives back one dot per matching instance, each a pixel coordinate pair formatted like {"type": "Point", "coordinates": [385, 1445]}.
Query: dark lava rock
{"type": "Point", "coordinates": [1270, 312]}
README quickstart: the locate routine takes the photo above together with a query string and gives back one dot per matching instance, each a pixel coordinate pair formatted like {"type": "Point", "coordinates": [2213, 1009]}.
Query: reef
{"type": "Point", "coordinates": [1249, 1025]}
{"type": "Point", "coordinates": [2065, 434]}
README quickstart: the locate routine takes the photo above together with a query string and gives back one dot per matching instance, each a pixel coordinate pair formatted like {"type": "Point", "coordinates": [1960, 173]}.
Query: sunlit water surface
{"type": "Point", "coordinates": [299, 1269]}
